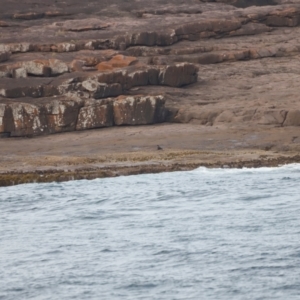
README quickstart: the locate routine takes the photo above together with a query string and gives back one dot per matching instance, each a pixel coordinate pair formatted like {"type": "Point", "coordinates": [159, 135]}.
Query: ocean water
{"type": "Point", "coordinates": [202, 234]}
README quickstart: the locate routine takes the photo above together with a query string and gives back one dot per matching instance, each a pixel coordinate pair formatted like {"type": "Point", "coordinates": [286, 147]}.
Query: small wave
{"type": "Point", "coordinates": [106, 250]}
{"type": "Point", "coordinates": [288, 287]}
{"type": "Point", "coordinates": [163, 252]}
{"type": "Point", "coordinates": [288, 167]}
{"type": "Point", "coordinates": [54, 252]}
{"type": "Point", "coordinates": [15, 289]}
{"type": "Point", "coordinates": [140, 286]}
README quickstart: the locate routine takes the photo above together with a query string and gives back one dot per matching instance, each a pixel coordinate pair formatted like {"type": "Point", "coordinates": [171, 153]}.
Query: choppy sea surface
{"type": "Point", "coordinates": [202, 234]}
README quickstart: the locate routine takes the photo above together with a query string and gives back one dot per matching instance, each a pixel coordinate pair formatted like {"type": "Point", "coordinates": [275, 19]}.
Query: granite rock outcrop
{"type": "Point", "coordinates": [212, 62]}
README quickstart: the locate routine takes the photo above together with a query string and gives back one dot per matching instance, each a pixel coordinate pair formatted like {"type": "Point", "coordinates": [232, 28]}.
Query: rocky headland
{"type": "Point", "coordinates": [218, 81]}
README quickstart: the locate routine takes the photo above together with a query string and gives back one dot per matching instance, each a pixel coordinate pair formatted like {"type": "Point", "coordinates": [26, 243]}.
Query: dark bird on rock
{"type": "Point", "coordinates": [159, 147]}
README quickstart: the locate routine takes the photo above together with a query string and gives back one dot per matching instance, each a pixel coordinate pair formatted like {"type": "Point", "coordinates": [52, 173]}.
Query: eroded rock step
{"type": "Point", "coordinates": [71, 104]}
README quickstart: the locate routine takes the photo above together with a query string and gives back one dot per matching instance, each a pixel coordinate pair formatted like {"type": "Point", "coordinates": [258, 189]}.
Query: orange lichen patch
{"type": "Point", "coordinates": [118, 61]}
{"type": "Point", "coordinates": [94, 59]}
{"type": "Point", "coordinates": [89, 61]}
{"type": "Point", "coordinates": [121, 61]}
{"type": "Point", "coordinates": [104, 66]}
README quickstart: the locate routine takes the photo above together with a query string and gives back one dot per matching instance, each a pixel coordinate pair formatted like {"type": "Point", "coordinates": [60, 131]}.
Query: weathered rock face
{"type": "Point", "coordinates": [215, 62]}
{"type": "Point", "coordinates": [50, 117]}
{"type": "Point", "coordinates": [95, 115]}
{"type": "Point", "coordinates": [139, 110]}
{"type": "Point", "coordinates": [71, 113]}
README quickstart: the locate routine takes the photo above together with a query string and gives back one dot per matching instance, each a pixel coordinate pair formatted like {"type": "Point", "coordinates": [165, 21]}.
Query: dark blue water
{"type": "Point", "coordinates": [204, 234]}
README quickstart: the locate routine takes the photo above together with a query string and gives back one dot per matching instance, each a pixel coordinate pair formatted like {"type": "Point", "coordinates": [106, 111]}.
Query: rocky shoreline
{"type": "Point", "coordinates": [15, 178]}
{"type": "Point", "coordinates": [120, 151]}
{"type": "Point", "coordinates": [222, 70]}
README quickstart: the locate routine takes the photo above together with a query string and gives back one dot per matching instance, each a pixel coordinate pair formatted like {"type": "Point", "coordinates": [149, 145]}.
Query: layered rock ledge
{"type": "Point", "coordinates": [63, 65]}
